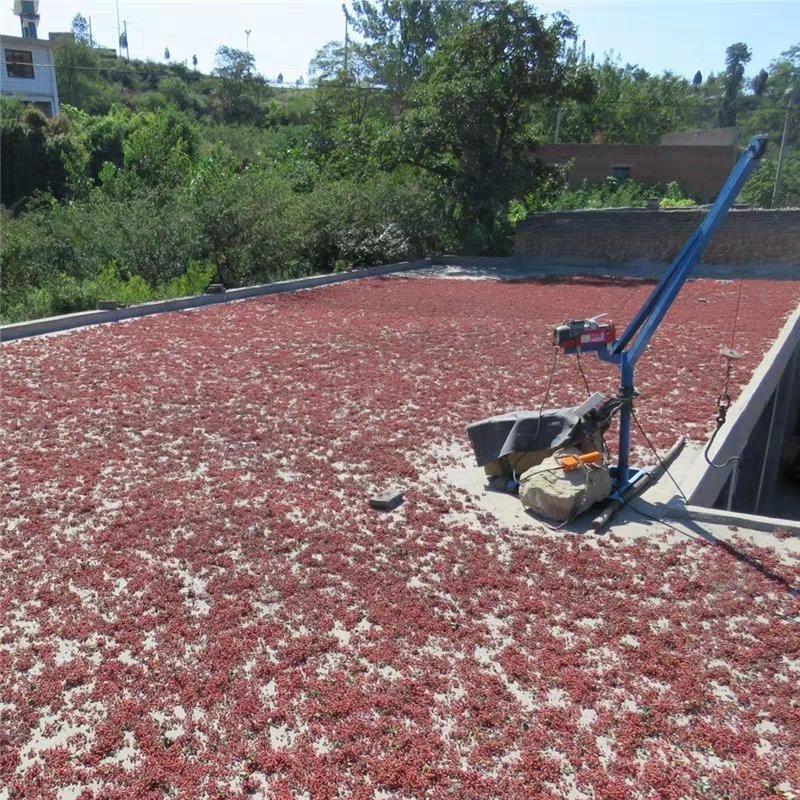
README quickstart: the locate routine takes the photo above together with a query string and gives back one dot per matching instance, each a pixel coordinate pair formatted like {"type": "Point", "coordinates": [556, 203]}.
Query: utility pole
{"type": "Point", "coordinates": [346, 35]}
{"type": "Point", "coordinates": [119, 31]}
{"type": "Point", "coordinates": [776, 192]}
{"type": "Point", "coordinates": [91, 41]}
{"type": "Point", "coordinates": [127, 48]}
{"type": "Point", "coordinates": [247, 39]}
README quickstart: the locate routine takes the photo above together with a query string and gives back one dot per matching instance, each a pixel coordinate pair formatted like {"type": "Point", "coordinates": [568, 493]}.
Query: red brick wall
{"type": "Point", "coordinates": [618, 235]}
{"type": "Point", "coordinates": [700, 170]}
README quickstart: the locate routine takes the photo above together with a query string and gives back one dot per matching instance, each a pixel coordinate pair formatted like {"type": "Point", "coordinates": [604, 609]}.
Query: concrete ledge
{"type": "Point", "coordinates": [704, 483]}
{"type": "Point", "coordinates": [38, 327]}
{"type": "Point", "coordinates": [744, 521]}
{"type": "Point", "coordinates": [519, 267]}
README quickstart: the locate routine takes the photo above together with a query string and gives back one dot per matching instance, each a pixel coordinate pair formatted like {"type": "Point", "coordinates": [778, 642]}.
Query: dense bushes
{"type": "Point", "coordinates": [141, 208]}
{"type": "Point", "coordinates": [37, 154]}
{"type": "Point", "coordinates": [157, 209]}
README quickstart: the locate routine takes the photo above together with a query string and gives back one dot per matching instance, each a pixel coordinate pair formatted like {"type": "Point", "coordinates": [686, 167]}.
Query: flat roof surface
{"type": "Point", "coordinates": [6, 38]}
{"type": "Point", "coordinates": [197, 602]}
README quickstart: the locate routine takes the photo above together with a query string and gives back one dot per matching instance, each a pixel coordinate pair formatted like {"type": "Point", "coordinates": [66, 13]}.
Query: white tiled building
{"type": "Point", "coordinates": [28, 71]}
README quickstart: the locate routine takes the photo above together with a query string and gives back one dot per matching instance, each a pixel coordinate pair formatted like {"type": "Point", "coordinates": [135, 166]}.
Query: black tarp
{"type": "Point", "coordinates": [522, 432]}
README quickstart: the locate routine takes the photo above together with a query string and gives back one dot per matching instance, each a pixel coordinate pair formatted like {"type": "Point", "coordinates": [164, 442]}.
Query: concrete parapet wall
{"type": "Point", "coordinates": [39, 327]}
{"type": "Point", "coordinates": [746, 237]}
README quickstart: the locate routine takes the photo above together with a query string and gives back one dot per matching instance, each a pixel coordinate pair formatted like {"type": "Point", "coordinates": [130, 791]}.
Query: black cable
{"type": "Point", "coordinates": [650, 516]}
{"type": "Point", "coordinates": [655, 452]}
{"type": "Point", "coordinates": [546, 396]}
{"type": "Point", "coordinates": [541, 407]}
{"type": "Point", "coordinates": [583, 374]}
{"type": "Point", "coordinates": [606, 451]}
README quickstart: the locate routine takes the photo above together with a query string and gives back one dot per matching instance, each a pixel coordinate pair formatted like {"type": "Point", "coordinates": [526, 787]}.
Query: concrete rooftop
{"type": "Point", "coordinates": [197, 601]}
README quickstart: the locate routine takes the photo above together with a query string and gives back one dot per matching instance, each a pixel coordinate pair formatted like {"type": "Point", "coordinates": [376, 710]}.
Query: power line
{"type": "Point", "coordinates": [141, 72]}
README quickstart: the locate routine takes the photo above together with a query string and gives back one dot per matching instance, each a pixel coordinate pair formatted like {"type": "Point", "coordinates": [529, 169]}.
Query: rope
{"type": "Point", "coordinates": [736, 315]}
{"type": "Point", "coordinates": [655, 452]}
{"type": "Point", "coordinates": [724, 399]}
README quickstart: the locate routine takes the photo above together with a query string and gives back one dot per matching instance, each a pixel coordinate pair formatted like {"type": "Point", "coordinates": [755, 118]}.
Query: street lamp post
{"type": "Point", "coordinates": [346, 35]}
{"type": "Point", "coordinates": [247, 39]}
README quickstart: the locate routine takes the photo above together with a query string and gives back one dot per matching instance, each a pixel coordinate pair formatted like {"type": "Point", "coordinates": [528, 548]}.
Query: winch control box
{"type": "Point", "coordinates": [586, 334]}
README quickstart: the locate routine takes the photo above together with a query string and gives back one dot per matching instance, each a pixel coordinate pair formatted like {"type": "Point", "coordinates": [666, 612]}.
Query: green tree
{"type": "Point", "coordinates": [400, 34]}
{"type": "Point", "coordinates": [468, 119]}
{"type": "Point", "coordinates": [736, 57]}
{"type": "Point", "coordinates": [781, 93]}
{"type": "Point", "coordinates": [177, 92]}
{"type": "Point", "coordinates": [759, 83]}
{"type": "Point", "coordinates": [758, 190]}
{"type": "Point", "coordinates": [233, 64]}
{"type": "Point", "coordinates": [80, 82]}
{"type": "Point", "coordinates": [698, 78]}
{"type": "Point", "coordinates": [345, 81]}
{"type": "Point", "coordinates": [631, 105]}
{"type": "Point", "coordinates": [80, 29]}
{"type": "Point", "coordinates": [105, 138]}
{"type": "Point", "coordinates": [37, 154]}
{"type": "Point", "coordinates": [157, 153]}
{"type": "Point", "coordinates": [235, 90]}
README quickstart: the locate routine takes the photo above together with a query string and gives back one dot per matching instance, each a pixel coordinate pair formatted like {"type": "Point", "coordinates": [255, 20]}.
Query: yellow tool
{"type": "Point", "coordinates": [570, 463]}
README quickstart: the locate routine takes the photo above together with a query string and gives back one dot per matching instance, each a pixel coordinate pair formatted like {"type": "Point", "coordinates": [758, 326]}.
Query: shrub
{"type": "Point", "coordinates": [62, 293]}
{"type": "Point", "coordinates": [674, 197]}
{"type": "Point", "coordinates": [37, 154]}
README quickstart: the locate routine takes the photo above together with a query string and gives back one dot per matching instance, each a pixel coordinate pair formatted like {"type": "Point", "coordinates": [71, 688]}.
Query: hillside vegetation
{"type": "Point", "coordinates": [156, 179]}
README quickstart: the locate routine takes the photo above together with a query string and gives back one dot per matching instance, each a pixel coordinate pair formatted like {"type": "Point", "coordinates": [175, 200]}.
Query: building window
{"type": "Point", "coordinates": [620, 172]}
{"type": "Point", "coordinates": [19, 63]}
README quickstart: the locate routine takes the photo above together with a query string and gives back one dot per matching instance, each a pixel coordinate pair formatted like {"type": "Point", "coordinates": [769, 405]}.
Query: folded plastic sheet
{"type": "Point", "coordinates": [521, 432]}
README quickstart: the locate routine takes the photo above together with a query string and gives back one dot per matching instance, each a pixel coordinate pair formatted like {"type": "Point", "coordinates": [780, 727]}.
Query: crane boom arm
{"type": "Point", "coordinates": [642, 327]}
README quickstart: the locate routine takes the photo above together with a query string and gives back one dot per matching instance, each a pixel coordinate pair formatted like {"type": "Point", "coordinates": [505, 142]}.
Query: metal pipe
{"type": "Point", "coordinates": [732, 485]}
{"type": "Point", "coordinates": [767, 448]}
{"type": "Point", "coordinates": [776, 192]}
{"type": "Point", "coordinates": [626, 390]}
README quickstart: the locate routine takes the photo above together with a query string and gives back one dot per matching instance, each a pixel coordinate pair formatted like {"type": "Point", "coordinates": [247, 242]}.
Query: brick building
{"type": "Point", "coordinates": [699, 169]}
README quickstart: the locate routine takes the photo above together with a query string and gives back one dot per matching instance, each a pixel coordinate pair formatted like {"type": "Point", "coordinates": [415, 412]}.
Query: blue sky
{"type": "Point", "coordinates": [679, 35]}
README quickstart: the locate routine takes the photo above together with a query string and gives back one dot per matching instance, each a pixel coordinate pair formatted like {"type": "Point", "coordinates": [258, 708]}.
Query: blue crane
{"type": "Point", "coordinates": [591, 335]}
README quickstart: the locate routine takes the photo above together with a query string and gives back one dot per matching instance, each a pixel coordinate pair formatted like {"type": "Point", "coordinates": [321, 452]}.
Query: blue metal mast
{"type": "Point", "coordinates": [628, 348]}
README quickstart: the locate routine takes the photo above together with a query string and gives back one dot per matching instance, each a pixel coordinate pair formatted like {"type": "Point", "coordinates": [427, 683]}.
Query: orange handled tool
{"type": "Point", "coordinates": [570, 463]}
